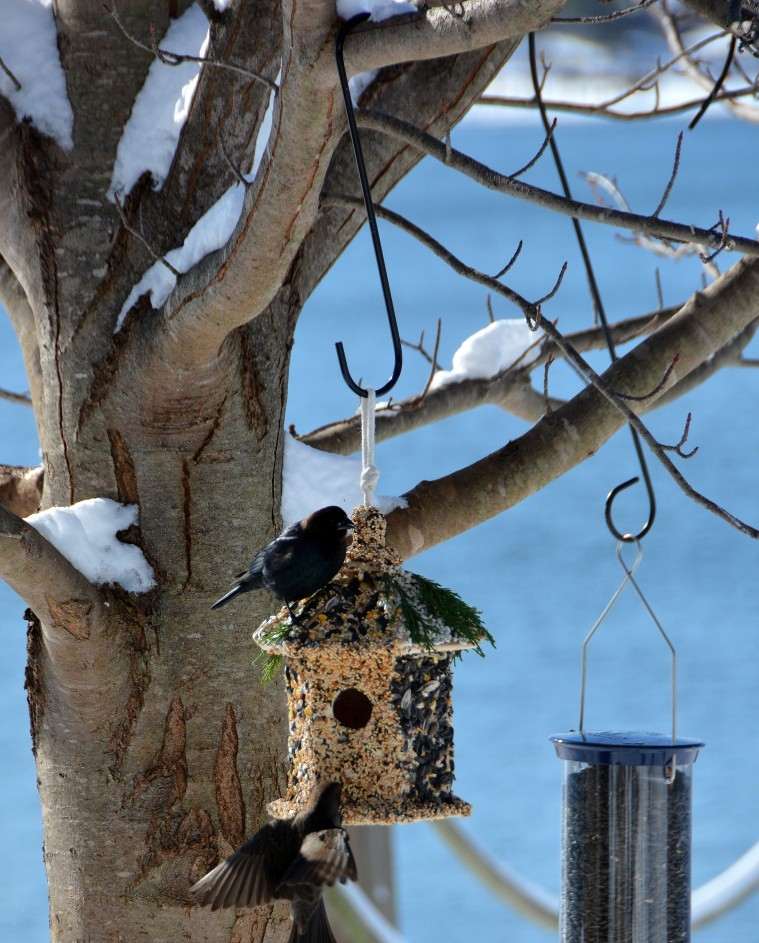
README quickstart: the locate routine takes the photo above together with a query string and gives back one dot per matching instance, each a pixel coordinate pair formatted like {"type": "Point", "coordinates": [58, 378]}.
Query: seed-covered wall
{"type": "Point", "coordinates": [369, 703]}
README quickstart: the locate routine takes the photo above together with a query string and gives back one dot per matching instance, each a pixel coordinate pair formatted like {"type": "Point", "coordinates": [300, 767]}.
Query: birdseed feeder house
{"type": "Point", "coordinates": [368, 666]}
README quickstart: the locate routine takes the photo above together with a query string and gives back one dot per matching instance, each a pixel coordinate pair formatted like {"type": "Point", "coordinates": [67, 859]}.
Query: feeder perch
{"type": "Point", "coordinates": [369, 697]}
{"type": "Point", "coordinates": [626, 837]}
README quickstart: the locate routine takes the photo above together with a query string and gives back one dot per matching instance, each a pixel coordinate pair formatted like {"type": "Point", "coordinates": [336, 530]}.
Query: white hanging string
{"type": "Point", "coordinates": [369, 471]}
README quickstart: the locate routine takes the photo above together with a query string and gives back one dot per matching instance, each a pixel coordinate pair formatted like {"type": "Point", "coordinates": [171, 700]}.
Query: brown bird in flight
{"type": "Point", "coordinates": [288, 860]}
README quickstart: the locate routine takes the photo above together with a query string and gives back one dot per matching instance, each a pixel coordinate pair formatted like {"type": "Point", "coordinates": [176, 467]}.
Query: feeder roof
{"type": "Point", "coordinates": [374, 603]}
{"type": "Point", "coordinates": [625, 749]}
{"type": "Point", "coordinates": [370, 612]}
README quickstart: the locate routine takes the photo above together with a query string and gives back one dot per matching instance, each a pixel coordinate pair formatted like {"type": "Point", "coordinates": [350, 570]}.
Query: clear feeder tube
{"type": "Point", "coordinates": [626, 838]}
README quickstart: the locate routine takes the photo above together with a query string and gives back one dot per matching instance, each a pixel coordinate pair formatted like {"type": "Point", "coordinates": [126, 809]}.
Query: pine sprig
{"type": "Point", "coordinates": [270, 663]}
{"type": "Point", "coordinates": [429, 604]}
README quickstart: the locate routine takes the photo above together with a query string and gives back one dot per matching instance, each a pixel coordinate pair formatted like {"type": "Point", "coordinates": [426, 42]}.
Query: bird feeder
{"type": "Point", "coordinates": [626, 833]}
{"type": "Point", "coordinates": [368, 667]}
{"type": "Point", "coordinates": [626, 837]}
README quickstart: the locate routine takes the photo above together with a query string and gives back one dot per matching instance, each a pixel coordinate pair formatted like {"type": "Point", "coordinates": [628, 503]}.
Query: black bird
{"type": "Point", "coordinates": [300, 561]}
{"type": "Point", "coordinates": [288, 860]}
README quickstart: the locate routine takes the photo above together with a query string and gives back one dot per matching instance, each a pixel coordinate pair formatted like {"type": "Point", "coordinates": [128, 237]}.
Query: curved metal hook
{"type": "Point", "coordinates": [600, 313]}
{"type": "Point", "coordinates": [344, 30]}
{"type": "Point", "coordinates": [628, 538]}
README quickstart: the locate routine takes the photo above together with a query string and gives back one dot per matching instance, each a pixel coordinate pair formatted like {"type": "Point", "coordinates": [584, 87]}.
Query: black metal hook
{"type": "Point", "coordinates": [601, 314]}
{"type": "Point", "coordinates": [344, 30]}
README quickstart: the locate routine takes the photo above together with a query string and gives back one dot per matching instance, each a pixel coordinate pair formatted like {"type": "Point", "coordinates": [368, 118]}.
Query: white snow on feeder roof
{"type": "Point", "coordinates": [85, 533]}
{"type": "Point", "coordinates": [313, 479]}
{"type": "Point", "coordinates": [29, 48]}
{"type": "Point", "coordinates": [489, 351]}
{"type": "Point", "coordinates": [150, 136]}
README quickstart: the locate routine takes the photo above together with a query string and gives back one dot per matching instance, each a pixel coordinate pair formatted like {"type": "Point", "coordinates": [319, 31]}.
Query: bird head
{"type": "Point", "coordinates": [324, 806]}
{"type": "Point", "coordinates": [331, 521]}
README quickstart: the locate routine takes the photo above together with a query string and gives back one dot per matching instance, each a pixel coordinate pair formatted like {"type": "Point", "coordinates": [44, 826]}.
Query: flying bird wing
{"type": "Point", "coordinates": [245, 879]}
{"type": "Point", "coordinates": [325, 857]}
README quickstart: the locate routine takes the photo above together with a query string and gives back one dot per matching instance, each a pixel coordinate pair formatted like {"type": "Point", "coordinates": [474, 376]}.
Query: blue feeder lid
{"type": "Point", "coordinates": [625, 749]}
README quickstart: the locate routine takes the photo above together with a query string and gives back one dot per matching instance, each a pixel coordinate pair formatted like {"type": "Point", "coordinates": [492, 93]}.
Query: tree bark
{"type": "Point", "coordinates": [156, 747]}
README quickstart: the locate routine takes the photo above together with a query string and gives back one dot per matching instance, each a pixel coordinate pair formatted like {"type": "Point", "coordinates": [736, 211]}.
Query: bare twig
{"type": "Point", "coordinates": [678, 446]}
{"type": "Point", "coordinates": [546, 368]}
{"type": "Point", "coordinates": [664, 229]}
{"type": "Point", "coordinates": [722, 224]}
{"type": "Point", "coordinates": [10, 75]}
{"type": "Point", "coordinates": [602, 111]}
{"type": "Point", "coordinates": [21, 398]}
{"type": "Point", "coordinates": [716, 87]}
{"type": "Point", "coordinates": [239, 175]}
{"type": "Point", "coordinates": [528, 308]}
{"type": "Point", "coordinates": [640, 398]}
{"type": "Point", "coordinates": [659, 292]}
{"type": "Point", "coordinates": [138, 235]}
{"type": "Point", "coordinates": [533, 160]}
{"type": "Point", "coordinates": [587, 372]}
{"type": "Point", "coordinates": [509, 264]}
{"type": "Point", "coordinates": [675, 167]}
{"type": "Point", "coordinates": [489, 306]}
{"type": "Point", "coordinates": [433, 361]}
{"type": "Point", "coordinates": [175, 59]}
{"type": "Point", "coordinates": [606, 17]}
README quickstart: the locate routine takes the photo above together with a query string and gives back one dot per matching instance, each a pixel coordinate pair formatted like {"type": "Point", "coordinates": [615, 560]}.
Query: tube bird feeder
{"type": "Point", "coordinates": [626, 837]}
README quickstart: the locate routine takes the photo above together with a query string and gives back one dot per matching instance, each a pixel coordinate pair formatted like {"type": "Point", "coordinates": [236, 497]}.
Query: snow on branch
{"type": "Point", "coordinates": [160, 110]}
{"type": "Point", "coordinates": [440, 509]}
{"type": "Point", "coordinates": [312, 478]}
{"type": "Point", "coordinates": [86, 535]}
{"type": "Point", "coordinates": [32, 78]}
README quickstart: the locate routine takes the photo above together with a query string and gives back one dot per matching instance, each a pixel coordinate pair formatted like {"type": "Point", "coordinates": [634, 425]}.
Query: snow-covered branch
{"type": "Point", "coordinates": [508, 389]}
{"type": "Point", "coordinates": [445, 31]}
{"type": "Point", "coordinates": [440, 509]}
{"type": "Point", "coordinates": [57, 592]}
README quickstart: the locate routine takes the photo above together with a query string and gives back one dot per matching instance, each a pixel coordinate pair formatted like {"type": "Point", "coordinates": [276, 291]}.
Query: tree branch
{"type": "Point", "coordinates": [510, 390]}
{"type": "Point", "coordinates": [492, 180]}
{"type": "Point", "coordinates": [39, 573]}
{"type": "Point", "coordinates": [438, 510]}
{"type": "Point", "coordinates": [601, 111]}
{"type": "Point", "coordinates": [232, 286]}
{"type": "Point", "coordinates": [438, 32]}
{"type": "Point", "coordinates": [21, 489]}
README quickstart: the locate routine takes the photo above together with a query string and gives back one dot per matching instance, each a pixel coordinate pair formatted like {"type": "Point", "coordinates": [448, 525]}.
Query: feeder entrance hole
{"type": "Point", "coordinates": [352, 708]}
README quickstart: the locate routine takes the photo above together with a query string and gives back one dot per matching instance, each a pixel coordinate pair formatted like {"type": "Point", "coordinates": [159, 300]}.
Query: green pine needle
{"type": "Point", "coordinates": [429, 603]}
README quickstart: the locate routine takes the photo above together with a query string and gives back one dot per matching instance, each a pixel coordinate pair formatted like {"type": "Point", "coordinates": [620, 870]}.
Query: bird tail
{"type": "Point", "coordinates": [317, 930]}
{"type": "Point", "coordinates": [235, 591]}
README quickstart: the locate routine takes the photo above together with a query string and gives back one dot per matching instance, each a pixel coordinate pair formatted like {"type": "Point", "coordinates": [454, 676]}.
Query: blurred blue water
{"type": "Point", "coordinates": [541, 572]}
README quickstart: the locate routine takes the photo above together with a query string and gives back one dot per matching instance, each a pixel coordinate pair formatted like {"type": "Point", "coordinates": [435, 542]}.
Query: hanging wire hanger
{"type": "Point", "coordinates": [344, 30]}
{"type": "Point", "coordinates": [601, 316]}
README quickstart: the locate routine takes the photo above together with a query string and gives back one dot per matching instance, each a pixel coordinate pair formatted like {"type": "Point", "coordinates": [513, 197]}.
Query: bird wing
{"type": "Point", "coordinates": [256, 566]}
{"type": "Point", "coordinates": [325, 857]}
{"type": "Point", "coordinates": [279, 555]}
{"type": "Point", "coordinates": [245, 878]}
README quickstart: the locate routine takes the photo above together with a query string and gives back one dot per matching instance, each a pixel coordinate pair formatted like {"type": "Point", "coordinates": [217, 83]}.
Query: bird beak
{"type": "Point", "coordinates": [348, 526]}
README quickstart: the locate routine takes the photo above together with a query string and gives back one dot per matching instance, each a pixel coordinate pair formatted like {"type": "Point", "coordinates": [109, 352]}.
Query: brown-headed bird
{"type": "Point", "coordinates": [300, 561]}
{"type": "Point", "coordinates": [288, 860]}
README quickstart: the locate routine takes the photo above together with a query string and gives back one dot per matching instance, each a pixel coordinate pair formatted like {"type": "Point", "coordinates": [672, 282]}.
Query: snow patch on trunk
{"type": "Point", "coordinates": [85, 534]}
{"type": "Point", "coordinates": [29, 48]}
{"type": "Point", "coordinates": [489, 351]}
{"type": "Point", "coordinates": [150, 136]}
{"type": "Point", "coordinates": [211, 232]}
{"type": "Point", "coordinates": [379, 9]}
{"type": "Point", "coordinates": [312, 479]}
